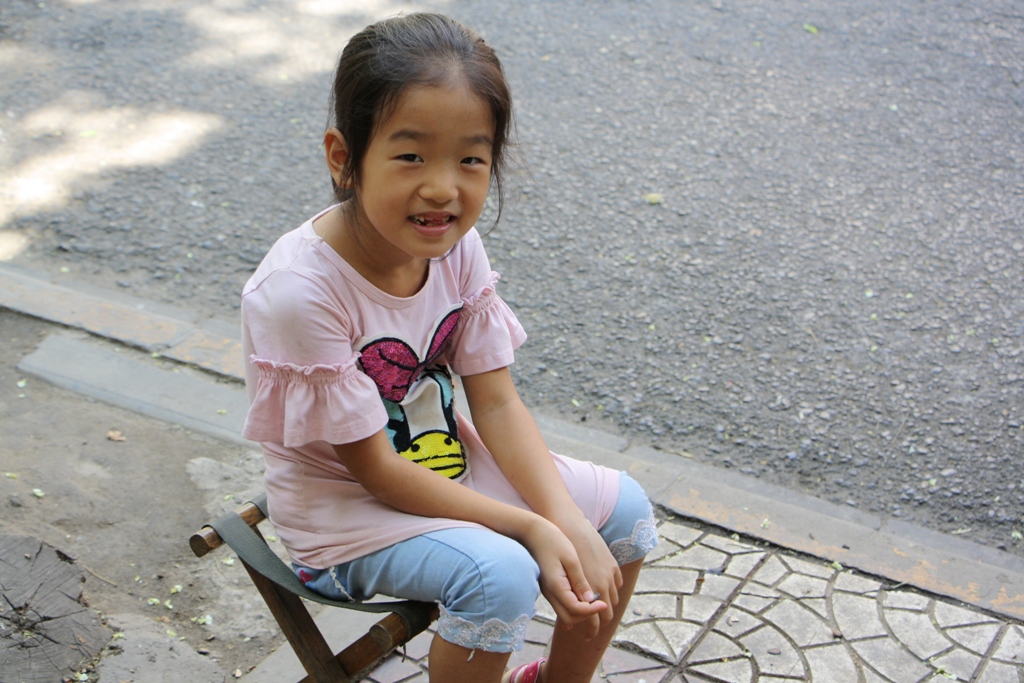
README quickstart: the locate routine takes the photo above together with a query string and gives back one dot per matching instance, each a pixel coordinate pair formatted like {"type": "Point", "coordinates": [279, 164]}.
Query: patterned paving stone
{"type": "Point", "coordinates": [697, 557]}
{"type": "Point", "coordinates": [917, 632]}
{"type": "Point", "coordinates": [857, 617]}
{"type": "Point", "coordinates": [715, 646]}
{"type": "Point", "coordinates": [700, 608]}
{"type": "Point", "coordinates": [419, 647]}
{"type": "Point", "coordinates": [680, 635]}
{"type": "Point", "coordinates": [802, 566]}
{"type": "Point", "coordinates": [802, 586]}
{"type": "Point", "coordinates": [617, 662]}
{"type": "Point", "coordinates": [976, 638]}
{"type": "Point", "coordinates": [728, 545]}
{"type": "Point", "coordinates": [663, 549]}
{"type": "Point", "coordinates": [650, 606]}
{"type": "Point", "coordinates": [649, 676]}
{"type": "Point", "coordinates": [662, 579]}
{"type": "Point", "coordinates": [711, 609]}
{"type": "Point", "coordinates": [948, 616]}
{"type": "Point", "coordinates": [960, 663]}
{"type": "Point", "coordinates": [718, 586]}
{"type": "Point", "coordinates": [831, 663]}
{"type": "Point", "coordinates": [900, 600]}
{"type": "Point", "coordinates": [753, 603]}
{"type": "Point", "coordinates": [735, 622]}
{"type": "Point", "coordinates": [871, 677]}
{"type": "Point", "coordinates": [773, 652]}
{"type": "Point", "coordinates": [740, 566]}
{"type": "Point", "coordinates": [851, 583]}
{"type": "Point", "coordinates": [395, 669]}
{"type": "Point", "coordinates": [817, 605]}
{"type": "Point", "coordinates": [646, 637]}
{"type": "Point", "coordinates": [771, 571]}
{"type": "Point", "coordinates": [539, 632]}
{"type": "Point", "coordinates": [679, 533]}
{"type": "Point", "coordinates": [1011, 648]}
{"type": "Point", "coordinates": [737, 670]}
{"type": "Point", "coordinates": [885, 656]}
{"type": "Point", "coordinates": [805, 627]}
{"type": "Point", "coordinates": [544, 610]}
{"type": "Point", "coordinates": [996, 672]}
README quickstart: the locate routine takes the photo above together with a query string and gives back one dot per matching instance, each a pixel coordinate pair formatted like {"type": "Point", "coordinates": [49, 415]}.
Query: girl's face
{"type": "Point", "coordinates": [426, 173]}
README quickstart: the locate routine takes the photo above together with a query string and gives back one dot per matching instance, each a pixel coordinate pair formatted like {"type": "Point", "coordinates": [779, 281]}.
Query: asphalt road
{"type": "Point", "coordinates": [784, 238]}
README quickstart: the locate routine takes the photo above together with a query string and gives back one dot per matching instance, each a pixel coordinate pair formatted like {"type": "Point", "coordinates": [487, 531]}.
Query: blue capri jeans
{"type": "Point", "coordinates": [485, 583]}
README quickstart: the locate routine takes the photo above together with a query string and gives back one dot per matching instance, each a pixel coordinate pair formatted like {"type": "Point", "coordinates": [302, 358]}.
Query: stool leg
{"type": "Point", "coordinates": [300, 630]}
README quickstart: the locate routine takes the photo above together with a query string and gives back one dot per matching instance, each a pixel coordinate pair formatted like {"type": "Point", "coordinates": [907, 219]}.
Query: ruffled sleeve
{"type": "Point", "coordinates": [488, 332]}
{"type": "Point", "coordinates": [295, 404]}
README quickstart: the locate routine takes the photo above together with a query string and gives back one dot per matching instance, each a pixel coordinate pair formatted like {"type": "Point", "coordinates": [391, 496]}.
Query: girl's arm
{"type": "Point", "coordinates": [512, 437]}
{"type": "Point", "coordinates": [412, 488]}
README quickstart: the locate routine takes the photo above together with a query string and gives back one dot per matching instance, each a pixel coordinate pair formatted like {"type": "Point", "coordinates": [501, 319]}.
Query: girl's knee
{"type": "Point", "coordinates": [488, 605]}
{"type": "Point", "coordinates": [631, 532]}
{"type": "Point", "coordinates": [500, 581]}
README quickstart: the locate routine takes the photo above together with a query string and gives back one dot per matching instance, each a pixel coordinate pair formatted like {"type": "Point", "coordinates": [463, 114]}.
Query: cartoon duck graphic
{"type": "Point", "coordinates": [423, 427]}
{"type": "Point", "coordinates": [418, 393]}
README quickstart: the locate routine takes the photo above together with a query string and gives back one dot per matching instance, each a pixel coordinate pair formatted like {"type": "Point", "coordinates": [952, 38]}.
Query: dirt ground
{"type": "Point", "coordinates": [123, 509]}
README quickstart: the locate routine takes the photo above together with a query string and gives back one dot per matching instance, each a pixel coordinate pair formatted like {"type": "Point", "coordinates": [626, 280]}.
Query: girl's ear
{"type": "Point", "coordinates": [336, 152]}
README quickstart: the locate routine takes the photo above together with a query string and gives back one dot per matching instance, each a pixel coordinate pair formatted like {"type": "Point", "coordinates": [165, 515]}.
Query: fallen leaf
{"type": "Point", "coordinates": [153, 601]}
{"type": "Point", "coordinates": [115, 435]}
{"type": "Point", "coordinates": [653, 198]}
{"type": "Point", "coordinates": [11, 475]}
{"type": "Point", "coordinates": [765, 524]}
{"type": "Point", "coordinates": [177, 589]}
{"type": "Point", "coordinates": [22, 383]}
{"type": "Point", "coordinates": [811, 28]}
{"type": "Point", "coordinates": [229, 561]}
{"type": "Point", "coordinates": [1016, 535]}
{"type": "Point", "coordinates": [38, 493]}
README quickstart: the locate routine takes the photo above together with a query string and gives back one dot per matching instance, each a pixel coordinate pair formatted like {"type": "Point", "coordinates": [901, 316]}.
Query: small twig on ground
{"type": "Point", "coordinates": [98, 576]}
{"type": "Point", "coordinates": [809, 331]}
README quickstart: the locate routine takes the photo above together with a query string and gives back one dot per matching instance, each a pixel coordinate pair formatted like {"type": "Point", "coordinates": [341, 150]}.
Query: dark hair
{"type": "Point", "coordinates": [385, 58]}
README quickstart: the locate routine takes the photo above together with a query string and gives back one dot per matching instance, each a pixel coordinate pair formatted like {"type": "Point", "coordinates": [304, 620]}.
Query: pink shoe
{"type": "Point", "coordinates": [525, 673]}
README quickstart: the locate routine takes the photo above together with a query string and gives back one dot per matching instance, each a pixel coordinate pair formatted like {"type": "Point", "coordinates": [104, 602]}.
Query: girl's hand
{"type": "Point", "coordinates": [599, 566]}
{"type": "Point", "coordinates": [562, 578]}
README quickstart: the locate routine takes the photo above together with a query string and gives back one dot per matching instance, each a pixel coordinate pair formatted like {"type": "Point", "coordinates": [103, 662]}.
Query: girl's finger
{"type": "Point", "coordinates": [592, 626]}
{"type": "Point", "coordinates": [578, 581]}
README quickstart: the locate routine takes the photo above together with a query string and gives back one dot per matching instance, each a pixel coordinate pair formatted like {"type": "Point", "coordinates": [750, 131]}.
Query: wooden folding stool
{"type": "Point", "coordinates": [283, 592]}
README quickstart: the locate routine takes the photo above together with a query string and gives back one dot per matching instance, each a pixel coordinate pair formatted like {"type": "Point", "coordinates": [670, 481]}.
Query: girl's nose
{"type": "Point", "coordinates": [440, 186]}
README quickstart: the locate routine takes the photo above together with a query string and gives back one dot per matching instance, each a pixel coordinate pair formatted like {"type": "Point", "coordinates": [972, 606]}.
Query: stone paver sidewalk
{"type": "Point", "coordinates": [710, 608]}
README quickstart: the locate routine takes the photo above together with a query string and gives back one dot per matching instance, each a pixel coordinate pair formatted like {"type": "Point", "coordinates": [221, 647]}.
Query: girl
{"type": "Point", "coordinates": [376, 483]}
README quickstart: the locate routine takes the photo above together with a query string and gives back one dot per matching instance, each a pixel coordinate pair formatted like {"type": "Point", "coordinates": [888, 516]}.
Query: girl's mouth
{"type": "Point", "coordinates": [432, 223]}
{"type": "Point", "coordinates": [432, 220]}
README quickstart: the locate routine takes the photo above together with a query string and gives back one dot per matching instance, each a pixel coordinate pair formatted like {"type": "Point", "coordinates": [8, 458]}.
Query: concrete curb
{"type": "Point", "coordinates": [978, 575]}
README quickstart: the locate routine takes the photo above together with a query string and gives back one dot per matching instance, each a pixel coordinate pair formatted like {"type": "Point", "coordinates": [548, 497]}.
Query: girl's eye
{"type": "Point", "coordinates": [409, 157]}
{"type": "Point", "coordinates": [473, 161]}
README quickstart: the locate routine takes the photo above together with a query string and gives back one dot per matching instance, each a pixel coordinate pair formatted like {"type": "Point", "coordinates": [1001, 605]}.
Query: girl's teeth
{"type": "Point", "coordinates": [438, 221]}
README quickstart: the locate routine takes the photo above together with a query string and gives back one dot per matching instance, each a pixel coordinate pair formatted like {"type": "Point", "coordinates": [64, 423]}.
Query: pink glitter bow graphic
{"type": "Point", "coordinates": [394, 366]}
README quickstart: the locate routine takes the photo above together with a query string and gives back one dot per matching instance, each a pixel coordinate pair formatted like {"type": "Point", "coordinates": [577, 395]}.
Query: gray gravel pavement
{"type": "Point", "coordinates": [781, 238]}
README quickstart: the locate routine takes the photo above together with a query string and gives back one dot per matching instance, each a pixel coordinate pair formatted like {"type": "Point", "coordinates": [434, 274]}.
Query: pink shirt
{"type": "Point", "coordinates": [332, 359]}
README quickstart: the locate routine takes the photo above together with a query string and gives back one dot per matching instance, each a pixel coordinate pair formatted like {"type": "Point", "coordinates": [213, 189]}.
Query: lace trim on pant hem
{"type": "Point", "coordinates": [494, 635]}
{"type": "Point", "coordinates": [640, 542]}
